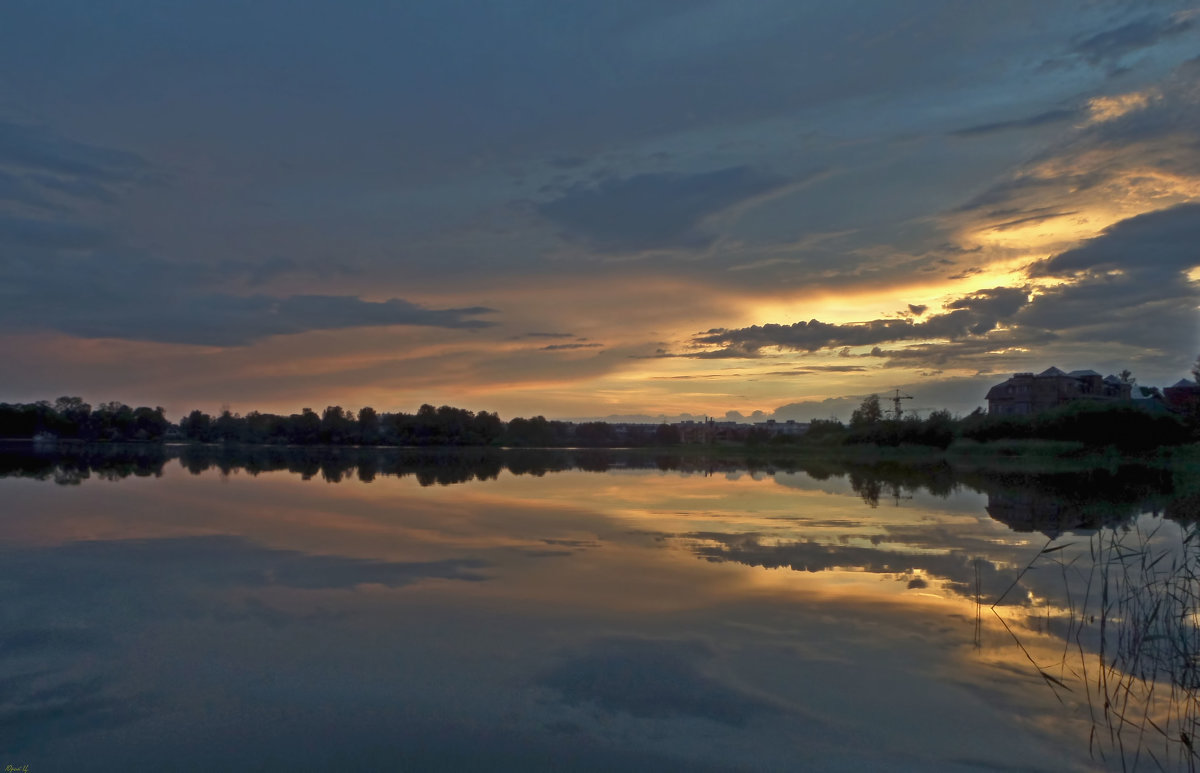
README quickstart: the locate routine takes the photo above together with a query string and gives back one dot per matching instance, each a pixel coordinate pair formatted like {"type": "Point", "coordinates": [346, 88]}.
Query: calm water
{"type": "Point", "coordinates": [198, 610]}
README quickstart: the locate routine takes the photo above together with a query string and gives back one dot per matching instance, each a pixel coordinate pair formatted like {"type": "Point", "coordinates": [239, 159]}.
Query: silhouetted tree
{"type": "Point", "coordinates": [868, 413]}
{"type": "Point", "coordinates": [337, 425]}
{"type": "Point", "coordinates": [227, 427]}
{"type": "Point", "coordinates": [666, 435]}
{"type": "Point", "coordinates": [368, 426]}
{"type": "Point", "coordinates": [196, 426]}
{"type": "Point", "coordinates": [305, 427]}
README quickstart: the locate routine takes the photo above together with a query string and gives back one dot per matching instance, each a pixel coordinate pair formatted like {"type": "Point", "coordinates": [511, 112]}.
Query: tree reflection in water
{"type": "Point", "coordinates": [1107, 614]}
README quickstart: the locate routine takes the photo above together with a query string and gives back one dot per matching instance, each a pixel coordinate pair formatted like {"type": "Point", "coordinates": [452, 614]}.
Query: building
{"type": "Point", "coordinates": [791, 427]}
{"type": "Point", "coordinates": [1025, 393]}
{"type": "Point", "coordinates": [1183, 396]}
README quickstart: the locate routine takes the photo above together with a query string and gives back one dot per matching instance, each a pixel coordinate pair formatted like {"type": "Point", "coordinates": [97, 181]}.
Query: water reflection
{"type": "Point", "coordinates": [483, 609]}
{"type": "Point", "coordinates": [1129, 613]}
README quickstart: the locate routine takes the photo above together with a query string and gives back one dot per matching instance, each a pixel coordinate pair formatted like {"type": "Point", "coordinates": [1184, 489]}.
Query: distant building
{"type": "Point", "coordinates": [1025, 393]}
{"type": "Point", "coordinates": [1183, 396]}
{"type": "Point", "coordinates": [789, 427]}
{"type": "Point", "coordinates": [710, 431]}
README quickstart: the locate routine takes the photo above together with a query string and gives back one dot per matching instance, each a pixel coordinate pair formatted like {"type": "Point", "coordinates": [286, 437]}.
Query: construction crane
{"type": "Point", "coordinates": [897, 411]}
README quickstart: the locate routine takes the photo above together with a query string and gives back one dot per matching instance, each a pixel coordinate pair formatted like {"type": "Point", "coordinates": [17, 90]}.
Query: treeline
{"type": "Point", "coordinates": [71, 417]}
{"type": "Point", "coordinates": [429, 426]}
{"type": "Point", "coordinates": [1094, 424]}
{"type": "Point", "coordinates": [1125, 426]}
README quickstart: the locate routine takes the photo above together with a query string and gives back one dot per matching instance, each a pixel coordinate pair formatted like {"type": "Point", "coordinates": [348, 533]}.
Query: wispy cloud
{"type": "Point", "coordinates": [655, 210]}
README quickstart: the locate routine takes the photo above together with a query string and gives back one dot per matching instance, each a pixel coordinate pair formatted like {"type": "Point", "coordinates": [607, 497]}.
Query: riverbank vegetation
{"type": "Point", "coordinates": [1078, 429]}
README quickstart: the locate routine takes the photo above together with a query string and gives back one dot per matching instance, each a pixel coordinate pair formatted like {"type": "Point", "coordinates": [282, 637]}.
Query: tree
{"type": "Point", "coordinates": [196, 426]}
{"type": "Point", "coordinates": [226, 427]}
{"type": "Point", "coordinates": [305, 427]}
{"type": "Point", "coordinates": [368, 425]}
{"type": "Point", "coordinates": [336, 424]}
{"type": "Point", "coordinates": [1196, 371]}
{"type": "Point", "coordinates": [149, 424]}
{"type": "Point", "coordinates": [868, 413]}
{"type": "Point", "coordinates": [1126, 376]}
{"type": "Point", "coordinates": [666, 435]}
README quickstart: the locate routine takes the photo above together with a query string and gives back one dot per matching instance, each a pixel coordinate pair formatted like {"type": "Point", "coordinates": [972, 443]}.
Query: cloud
{"type": "Point", "coordinates": [1048, 118]}
{"type": "Point", "coordinates": [100, 294]}
{"type": "Point", "coordinates": [83, 602]}
{"type": "Point", "coordinates": [228, 320]}
{"type": "Point", "coordinates": [1136, 152]}
{"type": "Point", "coordinates": [1121, 289]}
{"type": "Point", "coordinates": [540, 334]}
{"type": "Point", "coordinates": [41, 706]}
{"type": "Point", "coordinates": [256, 274]}
{"type": "Point", "coordinates": [653, 678]}
{"type": "Point", "coordinates": [956, 569]}
{"type": "Point", "coordinates": [562, 347]}
{"type": "Point", "coordinates": [40, 150]}
{"type": "Point", "coordinates": [44, 174]}
{"type": "Point", "coordinates": [148, 568]}
{"type": "Point", "coordinates": [43, 234]}
{"type": "Point", "coordinates": [1109, 108]}
{"type": "Point", "coordinates": [972, 315]}
{"type": "Point", "coordinates": [1109, 46]}
{"type": "Point", "coordinates": [654, 210]}
{"type": "Point", "coordinates": [1162, 241]}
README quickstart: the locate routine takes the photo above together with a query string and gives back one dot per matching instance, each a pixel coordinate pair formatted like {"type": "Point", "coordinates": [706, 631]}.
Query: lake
{"type": "Point", "coordinates": [188, 609]}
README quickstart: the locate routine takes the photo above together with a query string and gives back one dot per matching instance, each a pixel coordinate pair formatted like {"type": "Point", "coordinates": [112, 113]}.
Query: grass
{"type": "Point", "coordinates": [1132, 645]}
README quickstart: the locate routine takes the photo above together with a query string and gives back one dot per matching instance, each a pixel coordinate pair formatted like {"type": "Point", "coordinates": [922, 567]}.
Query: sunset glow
{"type": "Point", "coordinates": [593, 211]}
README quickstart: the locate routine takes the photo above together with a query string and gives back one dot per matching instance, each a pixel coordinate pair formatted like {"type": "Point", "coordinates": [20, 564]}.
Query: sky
{"type": "Point", "coordinates": [611, 209]}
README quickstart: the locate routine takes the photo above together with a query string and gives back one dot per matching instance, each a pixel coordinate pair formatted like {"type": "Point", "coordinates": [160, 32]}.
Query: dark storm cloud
{"type": "Point", "coordinates": [1048, 118]}
{"type": "Point", "coordinates": [652, 211]}
{"type": "Point", "coordinates": [972, 315]}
